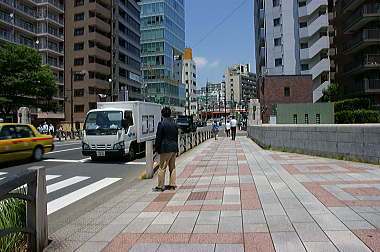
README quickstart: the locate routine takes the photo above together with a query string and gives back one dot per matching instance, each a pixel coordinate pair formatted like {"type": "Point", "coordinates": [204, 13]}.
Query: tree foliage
{"type": "Point", "coordinates": [331, 94]}
{"type": "Point", "coordinates": [24, 81]}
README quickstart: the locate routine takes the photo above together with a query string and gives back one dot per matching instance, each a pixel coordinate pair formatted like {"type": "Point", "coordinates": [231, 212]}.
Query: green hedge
{"type": "Point", "coordinates": [352, 104]}
{"type": "Point", "coordinates": [357, 116]}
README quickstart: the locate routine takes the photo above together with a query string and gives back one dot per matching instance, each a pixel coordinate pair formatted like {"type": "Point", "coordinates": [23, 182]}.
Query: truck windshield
{"type": "Point", "coordinates": [103, 122]}
{"type": "Point", "coordinates": [183, 121]}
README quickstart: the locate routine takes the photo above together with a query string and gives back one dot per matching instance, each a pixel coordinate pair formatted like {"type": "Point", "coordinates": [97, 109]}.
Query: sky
{"type": "Point", "coordinates": [230, 43]}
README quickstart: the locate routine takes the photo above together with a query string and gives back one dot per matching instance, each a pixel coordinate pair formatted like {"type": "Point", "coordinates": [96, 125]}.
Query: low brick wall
{"type": "Point", "coordinates": [353, 141]}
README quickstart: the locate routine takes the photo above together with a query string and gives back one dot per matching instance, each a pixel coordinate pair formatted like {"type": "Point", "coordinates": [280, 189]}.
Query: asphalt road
{"type": "Point", "coordinates": [76, 184]}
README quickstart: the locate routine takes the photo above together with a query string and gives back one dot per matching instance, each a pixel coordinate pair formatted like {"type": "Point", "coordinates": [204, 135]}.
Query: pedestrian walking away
{"type": "Point", "coordinates": [233, 128]}
{"type": "Point", "coordinates": [51, 129]}
{"type": "Point", "coordinates": [215, 129]}
{"type": "Point", "coordinates": [228, 128]}
{"type": "Point", "coordinates": [167, 146]}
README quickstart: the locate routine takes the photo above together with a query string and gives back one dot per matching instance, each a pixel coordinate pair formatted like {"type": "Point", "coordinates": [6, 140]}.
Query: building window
{"type": "Point", "coordinates": [301, 4]}
{"type": "Point", "coordinates": [304, 45]}
{"type": "Point", "coordinates": [286, 91]}
{"type": "Point", "coordinates": [78, 46]}
{"type": "Point", "coordinates": [276, 22]}
{"type": "Point", "coordinates": [276, 3]}
{"type": "Point", "coordinates": [78, 3]}
{"type": "Point", "coordinates": [79, 17]}
{"type": "Point", "coordinates": [318, 118]}
{"type": "Point", "coordinates": [277, 41]}
{"type": "Point", "coordinates": [78, 92]}
{"type": "Point", "coordinates": [306, 118]}
{"type": "Point", "coordinates": [303, 24]}
{"type": "Point", "coordinates": [79, 31]}
{"type": "Point", "coordinates": [278, 62]}
{"type": "Point", "coordinates": [78, 77]}
{"type": "Point", "coordinates": [304, 67]}
{"type": "Point", "coordinates": [78, 108]}
{"type": "Point", "coordinates": [78, 61]}
{"type": "Point", "coordinates": [295, 119]}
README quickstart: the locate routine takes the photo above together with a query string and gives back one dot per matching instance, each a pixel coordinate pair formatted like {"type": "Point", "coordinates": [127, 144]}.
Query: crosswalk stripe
{"type": "Point", "coordinates": [135, 163]}
{"type": "Point", "coordinates": [65, 183]}
{"type": "Point", "coordinates": [58, 151]}
{"type": "Point", "coordinates": [3, 173]}
{"type": "Point", "coordinates": [70, 198]}
{"type": "Point", "coordinates": [49, 177]}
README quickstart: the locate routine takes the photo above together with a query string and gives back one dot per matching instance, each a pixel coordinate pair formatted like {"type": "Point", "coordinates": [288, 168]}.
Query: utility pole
{"type": "Point", "coordinates": [225, 104]}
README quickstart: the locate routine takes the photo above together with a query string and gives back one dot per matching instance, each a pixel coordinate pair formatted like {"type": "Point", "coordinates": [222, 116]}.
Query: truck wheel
{"type": "Point", "coordinates": [38, 153]}
{"type": "Point", "coordinates": [132, 152]}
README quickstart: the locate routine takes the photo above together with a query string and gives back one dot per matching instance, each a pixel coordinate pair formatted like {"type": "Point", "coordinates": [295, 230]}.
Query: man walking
{"type": "Point", "coordinates": [167, 146]}
{"type": "Point", "coordinates": [228, 128]}
{"type": "Point", "coordinates": [233, 128]}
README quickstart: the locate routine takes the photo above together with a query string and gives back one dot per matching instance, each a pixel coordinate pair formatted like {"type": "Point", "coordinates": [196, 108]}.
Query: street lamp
{"type": "Point", "coordinates": [72, 73]}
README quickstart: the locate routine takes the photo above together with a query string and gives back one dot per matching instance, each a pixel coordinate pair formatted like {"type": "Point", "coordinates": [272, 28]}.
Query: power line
{"type": "Point", "coordinates": [220, 23]}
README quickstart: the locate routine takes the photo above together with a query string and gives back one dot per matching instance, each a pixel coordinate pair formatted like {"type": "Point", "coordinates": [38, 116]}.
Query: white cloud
{"type": "Point", "coordinates": [215, 63]}
{"type": "Point", "coordinates": [200, 62]}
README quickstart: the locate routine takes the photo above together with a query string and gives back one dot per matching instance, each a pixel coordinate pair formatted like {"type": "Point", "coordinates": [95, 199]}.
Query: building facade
{"type": "Point", "coordinates": [240, 85]}
{"type": "Point", "coordinates": [357, 48]}
{"type": "Point", "coordinates": [285, 89]}
{"type": "Point", "coordinates": [162, 50]}
{"type": "Point", "coordinates": [292, 39]}
{"type": "Point", "coordinates": [189, 77]}
{"type": "Point", "coordinates": [39, 25]}
{"type": "Point", "coordinates": [102, 58]}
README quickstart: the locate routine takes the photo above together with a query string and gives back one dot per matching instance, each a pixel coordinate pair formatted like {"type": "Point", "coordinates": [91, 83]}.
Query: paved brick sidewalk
{"type": "Point", "coordinates": [234, 196]}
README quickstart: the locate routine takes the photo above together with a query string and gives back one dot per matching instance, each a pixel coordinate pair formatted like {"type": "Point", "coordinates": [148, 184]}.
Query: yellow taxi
{"type": "Point", "coordinates": [22, 141]}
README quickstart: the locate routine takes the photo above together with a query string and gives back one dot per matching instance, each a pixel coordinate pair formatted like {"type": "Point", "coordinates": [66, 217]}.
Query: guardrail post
{"type": "Point", "coordinates": [149, 159]}
{"type": "Point", "coordinates": [36, 211]}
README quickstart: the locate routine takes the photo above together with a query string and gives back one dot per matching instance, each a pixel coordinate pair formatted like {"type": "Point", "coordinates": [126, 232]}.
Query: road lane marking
{"type": "Point", "coordinates": [136, 163]}
{"type": "Point", "coordinates": [70, 198]}
{"type": "Point", "coordinates": [62, 160]}
{"type": "Point", "coordinates": [50, 177]}
{"type": "Point", "coordinates": [63, 150]}
{"type": "Point", "coordinates": [65, 183]}
{"type": "Point", "coordinates": [84, 160]}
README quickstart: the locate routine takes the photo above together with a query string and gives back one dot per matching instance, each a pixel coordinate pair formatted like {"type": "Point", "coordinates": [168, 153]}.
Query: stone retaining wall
{"type": "Point", "coordinates": [353, 141]}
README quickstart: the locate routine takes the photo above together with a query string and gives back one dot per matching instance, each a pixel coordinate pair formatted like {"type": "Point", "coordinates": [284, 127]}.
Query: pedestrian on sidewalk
{"type": "Point", "coordinates": [233, 128]}
{"type": "Point", "coordinates": [51, 129]}
{"type": "Point", "coordinates": [228, 128]}
{"type": "Point", "coordinates": [167, 146]}
{"type": "Point", "coordinates": [215, 129]}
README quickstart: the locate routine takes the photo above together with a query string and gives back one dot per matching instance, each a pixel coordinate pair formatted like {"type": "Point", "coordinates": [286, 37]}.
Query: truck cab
{"type": "Point", "coordinates": [119, 129]}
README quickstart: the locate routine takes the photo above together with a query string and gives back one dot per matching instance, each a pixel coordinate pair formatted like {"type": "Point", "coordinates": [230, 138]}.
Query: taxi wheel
{"type": "Point", "coordinates": [38, 153]}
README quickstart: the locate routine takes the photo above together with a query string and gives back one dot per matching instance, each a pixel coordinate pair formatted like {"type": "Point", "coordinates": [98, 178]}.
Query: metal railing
{"type": "Point", "coordinates": [365, 9]}
{"type": "Point", "coordinates": [360, 37]}
{"type": "Point", "coordinates": [36, 209]}
{"type": "Point", "coordinates": [55, 3]}
{"type": "Point", "coordinates": [369, 59]}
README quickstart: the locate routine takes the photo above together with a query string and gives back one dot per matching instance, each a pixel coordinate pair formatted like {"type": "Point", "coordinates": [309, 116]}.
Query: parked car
{"type": "Point", "coordinates": [22, 141]}
{"type": "Point", "coordinates": [186, 124]}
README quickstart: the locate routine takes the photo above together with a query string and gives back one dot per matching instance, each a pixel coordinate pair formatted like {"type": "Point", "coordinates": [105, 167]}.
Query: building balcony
{"type": "Point", "coordinates": [364, 86]}
{"type": "Point", "coordinates": [365, 14]}
{"type": "Point", "coordinates": [314, 26]}
{"type": "Point", "coordinates": [52, 49]}
{"type": "Point", "coordinates": [367, 62]}
{"type": "Point", "coordinates": [362, 40]}
{"type": "Point", "coordinates": [351, 5]}
{"type": "Point", "coordinates": [311, 7]}
{"type": "Point", "coordinates": [313, 50]}
{"type": "Point", "coordinates": [98, 37]}
{"type": "Point", "coordinates": [98, 7]}
{"type": "Point", "coordinates": [52, 3]}
{"type": "Point", "coordinates": [21, 9]}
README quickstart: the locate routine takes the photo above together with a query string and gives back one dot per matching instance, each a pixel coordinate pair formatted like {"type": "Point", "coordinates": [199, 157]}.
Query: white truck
{"type": "Point", "coordinates": [119, 129]}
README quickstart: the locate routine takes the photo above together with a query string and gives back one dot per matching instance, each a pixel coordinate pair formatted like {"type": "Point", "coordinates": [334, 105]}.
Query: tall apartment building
{"type": "Point", "coordinates": [162, 49]}
{"type": "Point", "coordinates": [240, 85]}
{"type": "Point", "coordinates": [102, 58]}
{"type": "Point", "coordinates": [189, 77]}
{"type": "Point", "coordinates": [38, 24]}
{"type": "Point", "coordinates": [292, 39]}
{"type": "Point", "coordinates": [213, 94]}
{"type": "Point", "coordinates": [357, 45]}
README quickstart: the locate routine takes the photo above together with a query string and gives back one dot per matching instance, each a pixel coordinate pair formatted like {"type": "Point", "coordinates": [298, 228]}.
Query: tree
{"type": "Point", "coordinates": [331, 94]}
{"type": "Point", "coordinates": [24, 81]}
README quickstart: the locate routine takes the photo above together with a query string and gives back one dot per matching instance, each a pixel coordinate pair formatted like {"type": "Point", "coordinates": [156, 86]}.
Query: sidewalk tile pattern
{"type": "Point", "coordinates": [234, 196]}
